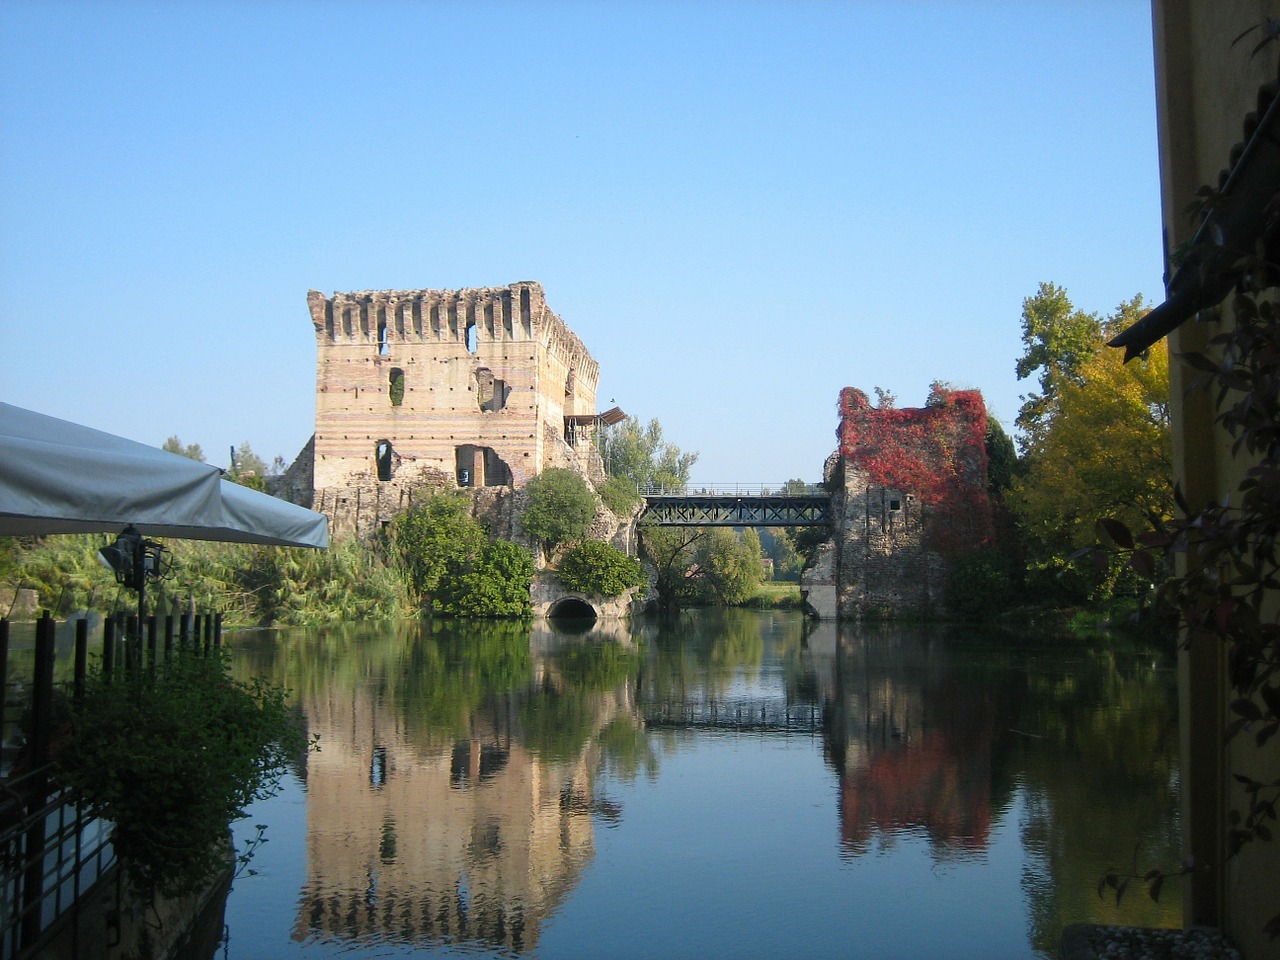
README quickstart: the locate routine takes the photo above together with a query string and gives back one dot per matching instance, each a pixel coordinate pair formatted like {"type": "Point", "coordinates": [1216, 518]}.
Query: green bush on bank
{"type": "Point", "coordinates": [434, 539]}
{"type": "Point", "coordinates": [560, 508]}
{"type": "Point", "coordinates": [492, 584]}
{"type": "Point", "coordinates": [249, 585]}
{"type": "Point", "coordinates": [620, 495]}
{"type": "Point", "coordinates": [776, 595]}
{"type": "Point", "coordinates": [600, 569]}
{"type": "Point", "coordinates": [981, 583]}
{"type": "Point", "coordinates": [453, 566]}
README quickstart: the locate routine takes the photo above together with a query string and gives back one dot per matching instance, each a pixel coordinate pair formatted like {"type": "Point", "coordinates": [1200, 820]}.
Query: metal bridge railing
{"type": "Point", "coordinates": [734, 490]}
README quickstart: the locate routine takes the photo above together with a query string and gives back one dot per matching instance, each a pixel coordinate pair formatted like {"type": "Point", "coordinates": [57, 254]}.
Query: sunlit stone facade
{"type": "Point", "coordinates": [473, 388]}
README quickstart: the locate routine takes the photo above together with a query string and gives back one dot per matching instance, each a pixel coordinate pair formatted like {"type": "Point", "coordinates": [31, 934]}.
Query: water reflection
{"type": "Point", "coordinates": [451, 797]}
{"type": "Point", "coordinates": [914, 742]}
{"type": "Point", "coordinates": [465, 773]}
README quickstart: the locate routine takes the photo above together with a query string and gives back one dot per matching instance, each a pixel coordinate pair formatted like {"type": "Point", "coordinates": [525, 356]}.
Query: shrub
{"type": "Point", "coordinates": [601, 569]}
{"type": "Point", "coordinates": [65, 571]}
{"type": "Point", "coordinates": [435, 537]}
{"type": "Point", "coordinates": [980, 583]}
{"type": "Point", "coordinates": [493, 584]}
{"type": "Point", "coordinates": [620, 495]}
{"type": "Point", "coordinates": [561, 506]}
{"type": "Point", "coordinates": [300, 587]}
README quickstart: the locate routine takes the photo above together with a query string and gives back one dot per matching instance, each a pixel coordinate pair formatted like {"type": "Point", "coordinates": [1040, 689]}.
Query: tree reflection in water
{"type": "Point", "coordinates": [465, 770]}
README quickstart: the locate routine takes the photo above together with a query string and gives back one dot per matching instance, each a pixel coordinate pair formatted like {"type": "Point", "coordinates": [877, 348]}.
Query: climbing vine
{"type": "Point", "coordinates": [936, 452]}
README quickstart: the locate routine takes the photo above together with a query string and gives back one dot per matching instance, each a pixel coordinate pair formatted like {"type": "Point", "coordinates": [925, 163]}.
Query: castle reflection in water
{"type": "Point", "coordinates": [455, 794]}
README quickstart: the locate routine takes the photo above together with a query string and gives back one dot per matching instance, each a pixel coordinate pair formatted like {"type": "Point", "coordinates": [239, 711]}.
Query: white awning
{"type": "Point", "coordinates": [61, 477]}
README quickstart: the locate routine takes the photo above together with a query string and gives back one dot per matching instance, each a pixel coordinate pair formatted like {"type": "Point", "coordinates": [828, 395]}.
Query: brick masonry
{"type": "Point", "coordinates": [419, 390]}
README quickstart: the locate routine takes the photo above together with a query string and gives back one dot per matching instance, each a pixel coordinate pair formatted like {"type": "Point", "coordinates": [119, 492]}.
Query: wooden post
{"type": "Point", "coordinates": [108, 647]}
{"type": "Point", "coordinates": [132, 644]}
{"type": "Point", "coordinates": [42, 690]}
{"type": "Point", "coordinates": [151, 642]}
{"type": "Point", "coordinates": [4, 669]}
{"type": "Point", "coordinates": [41, 730]}
{"type": "Point", "coordinates": [82, 658]}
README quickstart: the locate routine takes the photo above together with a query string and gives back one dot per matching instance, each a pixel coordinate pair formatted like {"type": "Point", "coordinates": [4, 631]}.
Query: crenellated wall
{"type": "Point", "coordinates": [440, 388]}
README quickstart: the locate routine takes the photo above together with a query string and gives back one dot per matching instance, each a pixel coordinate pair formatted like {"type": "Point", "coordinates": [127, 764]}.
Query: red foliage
{"type": "Point", "coordinates": [934, 783]}
{"type": "Point", "coordinates": [936, 452]}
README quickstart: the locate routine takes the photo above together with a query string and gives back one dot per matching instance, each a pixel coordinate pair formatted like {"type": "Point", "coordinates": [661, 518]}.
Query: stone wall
{"type": "Point", "coordinates": [885, 567]}
{"type": "Point", "coordinates": [19, 603]}
{"type": "Point", "coordinates": [547, 592]}
{"type": "Point", "coordinates": [417, 390]}
{"type": "Point", "coordinates": [908, 491]}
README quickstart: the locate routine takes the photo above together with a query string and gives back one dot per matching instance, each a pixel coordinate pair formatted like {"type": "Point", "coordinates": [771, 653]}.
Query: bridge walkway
{"type": "Point", "coordinates": [737, 506]}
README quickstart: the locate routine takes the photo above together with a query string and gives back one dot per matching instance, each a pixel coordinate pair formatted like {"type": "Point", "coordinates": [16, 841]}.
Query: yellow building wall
{"type": "Point", "coordinates": [1205, 87]}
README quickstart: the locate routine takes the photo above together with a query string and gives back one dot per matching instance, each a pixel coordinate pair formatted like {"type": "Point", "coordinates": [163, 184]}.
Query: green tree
{"type": "Point", "coordinates": [670, 550]}
{"type": "Point", "coordinates": [1002, 458]}
{"type": "Point", "coordinates": [792, 548]}
{"type": "Point", "coordinates": [620, 495]}
{"type": "Point", "coordinates": [191, 451]}
{"type": "Point", "coordinates": [641, 455]}
{"type": "Point", "coordinates": [776, 544]}
{"type": "Point", "coordinates": [1058, 339]}
{"type": "Point", "coordinates": [703, 566]}
{"type": "Point", "coordinates": [1104, 452]}
{"type": "Point", "coordinates": [981, 583]}
{"type": "Point", "coordinates": [728, 566]}
{"type": "Point", "coordinates": [246, 463]}
{"type": "Point", "coordinates": [435, 537]}
{"type": "Point", "coordinates": [560, 508]}
{"type": "Point", "coordinates": [493, 584]}
{"type": "Point", "coordinates": [599, 568]}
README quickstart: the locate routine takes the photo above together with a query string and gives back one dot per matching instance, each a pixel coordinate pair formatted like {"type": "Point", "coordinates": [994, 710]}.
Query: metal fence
{"type": "Point", "coordinates": [53, 852]}
{"type": "Point", "coordinates": [734, 490]}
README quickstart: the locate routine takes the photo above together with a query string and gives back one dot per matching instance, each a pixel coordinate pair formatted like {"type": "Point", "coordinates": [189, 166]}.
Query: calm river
{"type": "Point", "coordinates": [734, 784]}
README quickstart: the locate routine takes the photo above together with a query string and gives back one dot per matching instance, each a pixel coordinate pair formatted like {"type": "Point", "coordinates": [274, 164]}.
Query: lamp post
{"type": "Point", "coordinates": [134, 561]}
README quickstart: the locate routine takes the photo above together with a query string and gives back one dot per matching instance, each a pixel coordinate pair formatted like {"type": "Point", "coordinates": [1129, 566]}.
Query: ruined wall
{"type": "Point", "coordinates": [909, 492]}
{"type": "Point", "coordinates": [884, 566]}
{"type": "Point", "coordinates": [423, 389]}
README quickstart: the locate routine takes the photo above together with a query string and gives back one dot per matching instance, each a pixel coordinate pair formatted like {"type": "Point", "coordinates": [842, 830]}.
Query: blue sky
{"type": "Point", "coordinates": [741, 207]}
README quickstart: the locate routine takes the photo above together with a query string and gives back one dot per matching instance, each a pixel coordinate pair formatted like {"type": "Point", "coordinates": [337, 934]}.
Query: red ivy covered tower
{"type": "Point", "coordinates": [910, 495]}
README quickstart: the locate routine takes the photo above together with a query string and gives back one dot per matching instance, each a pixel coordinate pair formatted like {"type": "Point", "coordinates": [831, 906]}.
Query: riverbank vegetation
{"type": "Point", "coordinates": [1093, 443]}
{"type": "Point", "coordinates": [1094, 446]}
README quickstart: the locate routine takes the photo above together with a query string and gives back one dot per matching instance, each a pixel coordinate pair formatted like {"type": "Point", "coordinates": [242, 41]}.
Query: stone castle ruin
{"type": "Point", "coordinates": [476, 388]}
{"type": "Point", "coordinates": [909, 495]}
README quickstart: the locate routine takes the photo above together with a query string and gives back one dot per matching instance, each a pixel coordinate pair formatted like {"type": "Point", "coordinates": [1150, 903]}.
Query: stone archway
{"type": "Point", "coordinates": [572, 608]}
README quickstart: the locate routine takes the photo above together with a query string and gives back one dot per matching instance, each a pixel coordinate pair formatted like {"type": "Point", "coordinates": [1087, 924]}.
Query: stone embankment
{"type": "Point", "coordinates": [1085, 941]}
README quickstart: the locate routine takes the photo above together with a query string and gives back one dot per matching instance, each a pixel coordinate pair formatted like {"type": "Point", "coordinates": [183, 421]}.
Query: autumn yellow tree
{"type": "Point", "coordinates": [1104, 452]}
